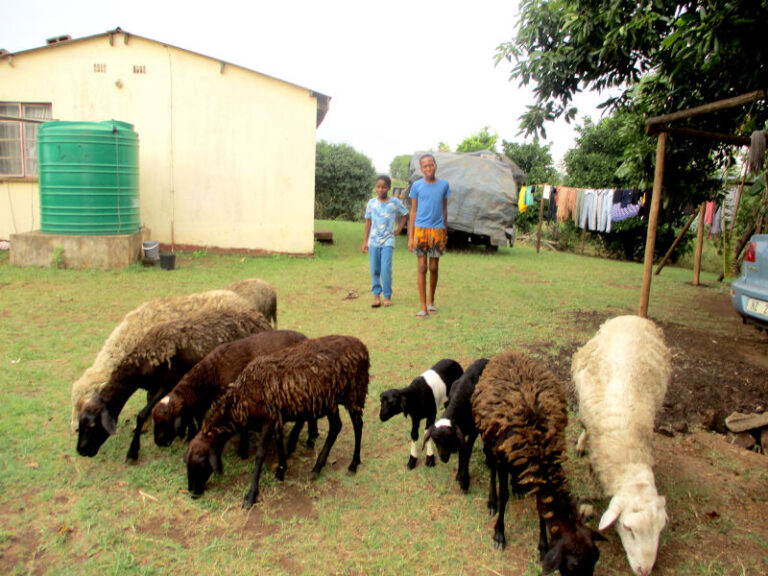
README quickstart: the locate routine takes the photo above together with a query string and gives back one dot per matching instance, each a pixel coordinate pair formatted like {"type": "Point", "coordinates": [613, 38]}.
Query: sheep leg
{"type": "Point", "coordinates": [244, 444]}
{"type": "Point", "coordinates": [261, 451]}
{"type": "Point", "coordinates": [334, 427]}
{"type": "Point", "coordinates": [543, 540]}
{"type": "Point", "coordinates": [357, 425]}
{"type": "Point", "coordinates": [429, 461]}
{"type": "Point", "coordinates": [312, 433]}
{"type": "Point", "coordinates": [493, 499]}
{"type": "Point", "coordinates": [293, 437]}
{"type": "Point", "coordinates": [141, 418]}
{"type": "Point", "coordinates": [281, 463]}
{"type": "Point", "coordinates": [414, 455]}
{"type": "Point", "coordinates": [465, 453]}
{"type": "Point", "coordinates": [499, 541]}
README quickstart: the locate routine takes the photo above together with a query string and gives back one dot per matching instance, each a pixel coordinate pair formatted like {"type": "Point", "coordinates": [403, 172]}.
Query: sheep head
{"type": "Point", "coordinates": [392, 403]}
{"type": "Point", "coordinates": [446, 436]}
{"type": "Point", "coordinates": [168, 420]}
{"type": "Point", "coordinates": [639, 515]}
{"type": "Point", "coordinates": [572, 550]}
{"type": "Point", "coordinates": [202, 460]}
{"type": "Point", "coordinates": [95, 424]}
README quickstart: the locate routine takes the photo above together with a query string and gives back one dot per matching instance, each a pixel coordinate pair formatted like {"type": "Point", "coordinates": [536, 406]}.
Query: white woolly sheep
{"type": "Point", "coordinates": [310, 379]}
{"type": "Point", "coordinates": [519, 408]}
{"type": "Point", "coordinates": [135, 326]}
{"type": "Point", "coordinates": [621, 377]}
{"type": "Point", "coordinates": [260, 294]}
{"type": "Point", "coordinates": [156, 364]}
{"type": "Point", "coordinates": [421, 400]}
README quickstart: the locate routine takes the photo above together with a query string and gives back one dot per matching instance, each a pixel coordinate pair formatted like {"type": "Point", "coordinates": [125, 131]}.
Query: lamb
{"type": "Point", "coordinates": [421, 399]}
{"type": "Point", "coordinates": [455, 431]}
{"type": "Point", "coordinates": [208, 380]}
{"type": "Point", "coordinates": [310, 379]}
{"type": "Point", "coordinates": [156, 364]}
{"type": "Point", "coordinates": [519, 408]}
{"type": "Point", "coordinates": [621, 377]}
{"type": "Point", "coordinates": [260, 294]}
{"type": "Point", "coordinates": [135, 326]}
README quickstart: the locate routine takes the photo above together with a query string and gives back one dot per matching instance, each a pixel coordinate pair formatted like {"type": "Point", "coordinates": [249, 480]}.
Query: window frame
{"type": "Point", "coordinates": [25, 141]}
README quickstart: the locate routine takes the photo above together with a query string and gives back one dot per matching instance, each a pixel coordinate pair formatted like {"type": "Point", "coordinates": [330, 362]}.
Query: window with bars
{"type": "Point", "coordinates": [18, 139]}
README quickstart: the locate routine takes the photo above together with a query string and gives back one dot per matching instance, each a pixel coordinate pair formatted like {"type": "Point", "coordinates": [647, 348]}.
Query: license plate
{"type": "Point", "coordinates": [757, 307]}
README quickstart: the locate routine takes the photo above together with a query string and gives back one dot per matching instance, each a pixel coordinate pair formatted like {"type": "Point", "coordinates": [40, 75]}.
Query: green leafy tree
{"type": "Point", "coordinates": [443, 147]}
{"type": "Point", "coordinates": [344, 179]}
{"type": "Point", "coordinates": [483, 140]}
{"type": "Point", "coordinates": [398, 168]}
{"type": "Point", "coordinates": [533, 159]}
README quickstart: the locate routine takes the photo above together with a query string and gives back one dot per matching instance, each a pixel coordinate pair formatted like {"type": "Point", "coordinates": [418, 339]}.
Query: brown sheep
{"type": "Point", "coordinates": [519, 408]}
{"type": "Point", "coordinates": [309, 379]}
{"type": "Point", "coordinates": [156, 364]}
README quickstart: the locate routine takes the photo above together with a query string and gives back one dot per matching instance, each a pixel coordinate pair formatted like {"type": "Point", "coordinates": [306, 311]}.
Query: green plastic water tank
{"type": "Point", "coordinates": [89, 178]}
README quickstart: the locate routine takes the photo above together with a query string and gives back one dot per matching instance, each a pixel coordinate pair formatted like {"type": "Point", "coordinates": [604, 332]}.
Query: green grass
{"type": "Point", "coordinates": [64, 514]}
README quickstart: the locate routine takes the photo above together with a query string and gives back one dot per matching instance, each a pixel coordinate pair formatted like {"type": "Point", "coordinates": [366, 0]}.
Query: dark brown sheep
{"type": "Point", "coordinates": [185, 406]}
{"type": "Point", "coordinates": [309, 379]}
{"type": "Point", "coordinates": [155, 364]}
{"type": "Point", "coordinates": [519, 408]}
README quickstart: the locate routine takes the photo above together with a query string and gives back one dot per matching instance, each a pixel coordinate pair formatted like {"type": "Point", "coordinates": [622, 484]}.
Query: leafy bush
{"type": "Point", "coordinates": [344, 180]}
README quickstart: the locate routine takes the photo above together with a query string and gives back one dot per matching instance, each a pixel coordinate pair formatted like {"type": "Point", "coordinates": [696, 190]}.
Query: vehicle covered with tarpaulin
{"type": "Point", "coordinates": [483, 204]}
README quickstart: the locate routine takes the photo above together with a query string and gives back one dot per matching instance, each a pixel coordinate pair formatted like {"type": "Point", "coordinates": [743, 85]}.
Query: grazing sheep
{"type": "Point", "coordinates": [519, 409]}
{"type": "Point", "coordinates": [455, 431]}
{"type": "Point", "coordinates": [207, 381]}
{"type": "Point", "coordinates": [156, 364]}
{"type": "Point", "coordinates": [421, 400]}
{"type": "Point", "coordinates": [260, 294]}
{"type": "Point", "coordinates": [135, 326]}
{"type": "Point", "coordinates": [310, 379]}
{"type": "Point", "coordinates": [621, 377]}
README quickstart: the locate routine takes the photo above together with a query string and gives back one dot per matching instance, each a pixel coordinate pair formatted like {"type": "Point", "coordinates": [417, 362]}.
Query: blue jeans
{"type": "Point", "coordinates": [381, 270]}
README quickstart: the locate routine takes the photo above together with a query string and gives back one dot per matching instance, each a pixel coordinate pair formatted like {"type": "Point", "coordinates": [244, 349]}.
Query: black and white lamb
{"type": "Point", "coordinates": [310, 379]}
{"type": "Point", "coordinates": [182, 410]}
{"type": "Point", "coordinates": [155, 364]}
{"type": "Point", "coordinates": [260, 294]}
{"type": "Point", "coordinates": [621, 377]}
{"type": "Point", "coordinates": [420, 400]}
{"type": "Point", "coordinates": [135, 325]}
{"type": "Point", "coordinates": [455, 431]}
{"type": "Point", "coordinates": [520, 410]}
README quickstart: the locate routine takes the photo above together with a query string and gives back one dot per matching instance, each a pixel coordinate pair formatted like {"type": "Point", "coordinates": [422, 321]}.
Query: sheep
{"type": "Point", "coordinates": [520, 410]}
{"type": "Point", "coordinates": [455, 431]}
{"type": "Point", "coordinates": [421, 399]}
{"type": "Point", "coordinates": [156, 364]}
{"type": "Point", "coordinates": [208, 380]}
{"type": "Point", "coordinates": [621, 377]}
{"type": "Point", "coordinates": [310, 379]}
{"type": "Point", "coordinates": [134, 326]}
{"type": "Point", "coordinates": [260, 294]}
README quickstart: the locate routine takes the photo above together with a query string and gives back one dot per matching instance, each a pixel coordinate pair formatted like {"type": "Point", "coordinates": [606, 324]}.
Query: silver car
{"type": "Point", "coordinates": [749, 294]}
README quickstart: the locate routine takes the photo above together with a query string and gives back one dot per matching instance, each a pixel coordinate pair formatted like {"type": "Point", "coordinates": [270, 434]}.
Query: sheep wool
{"type": "Point", "coordinates": [621, 376]}
{"type": "Point", "coordinates": [135, 326]}
{"type": "Point", "coordinates": [260, 294]}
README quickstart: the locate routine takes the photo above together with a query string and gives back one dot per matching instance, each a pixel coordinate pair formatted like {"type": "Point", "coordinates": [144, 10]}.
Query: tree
{"type": "Point", "coordinates": [483, 140]}
{"type": "Point", "coordinates": [398, 168]}
{"type": "Point", "coordinates": [443, 147]}
{"type": "Point", "coordinates": [533, 159]}
{"type": "Point", "coordinates": [344, 179]}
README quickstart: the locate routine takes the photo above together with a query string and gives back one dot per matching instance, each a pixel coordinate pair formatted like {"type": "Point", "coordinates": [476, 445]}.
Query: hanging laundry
{"type": "Point", "coordinates": [546, 192]}
{"type": "Point", "coordinates": [522, 206]}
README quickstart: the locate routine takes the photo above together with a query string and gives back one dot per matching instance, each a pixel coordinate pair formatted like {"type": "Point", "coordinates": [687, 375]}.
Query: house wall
{"type": "Point", "coordinates": [226, 155]}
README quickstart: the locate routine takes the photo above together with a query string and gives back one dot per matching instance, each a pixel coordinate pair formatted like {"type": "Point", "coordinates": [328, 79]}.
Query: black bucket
{"type": "Point", "coordinates": [167, 260]}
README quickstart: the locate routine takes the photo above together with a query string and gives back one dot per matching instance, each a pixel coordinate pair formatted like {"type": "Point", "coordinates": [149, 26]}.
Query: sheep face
{"type": "Point", "coordinates": [95, 425]}
{"type": "Point", "coordinates": [446, 436]}
{"type": "Point", "coordinates": [639, 524]}
{"type": "Point", "coordinates": [202, 461]}
{"type": "Point", "coordinates": [572, 551]}
{"type": "Point", "coordinates": [167, 424]}
{"type": "Point", "coordinates": [392, 403]}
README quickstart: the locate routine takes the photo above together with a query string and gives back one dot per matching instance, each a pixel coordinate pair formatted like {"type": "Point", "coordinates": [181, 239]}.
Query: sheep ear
{"type": "Point", "coordinates": [404, 406]}
{"type": "Point", "coordinates": [109, 423]}
{"type": "Point", "coordinates": [178, 425]}
{"type": "Point", "coordinates": [553, 558]}
{"type": "Point", "coordinates": [427, 436]}
{"type": "Point", "coordinates": [610, 515]}
{"type": "Point", "coordinates": [215, 460]}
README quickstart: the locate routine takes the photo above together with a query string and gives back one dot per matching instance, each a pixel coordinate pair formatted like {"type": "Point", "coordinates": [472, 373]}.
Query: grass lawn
{"type": "Point", "coordinates": [64, 514]}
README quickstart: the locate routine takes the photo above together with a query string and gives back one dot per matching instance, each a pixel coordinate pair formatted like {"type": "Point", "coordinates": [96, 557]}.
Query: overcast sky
{"type": "Point", "coordinates": [403, 75]}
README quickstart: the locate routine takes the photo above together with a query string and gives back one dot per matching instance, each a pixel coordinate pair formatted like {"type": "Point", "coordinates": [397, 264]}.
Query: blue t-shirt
{"type": "Point", "coordinates": [430, 197]}
{"type": "Point", "coordinates": [383, 216]}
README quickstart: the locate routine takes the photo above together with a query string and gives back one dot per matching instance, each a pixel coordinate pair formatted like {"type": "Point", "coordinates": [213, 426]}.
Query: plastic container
{"type": "Point", "coordinates": [151, 249]}
{"type": "Point", "coordinates": [167, 260]}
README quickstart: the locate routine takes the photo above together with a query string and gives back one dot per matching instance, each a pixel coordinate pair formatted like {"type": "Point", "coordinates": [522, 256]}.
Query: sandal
{"type": "Point", "coordinates": [386, 302]}
{"type": "Point", "coordinates": [376, 302]}
{"type": "Point", "coordinates": [421, 314]}
{"type": "Point", "coordinates": [431, 309]}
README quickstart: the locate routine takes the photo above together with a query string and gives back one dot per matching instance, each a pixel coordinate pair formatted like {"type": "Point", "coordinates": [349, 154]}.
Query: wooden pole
{"type": "Point", "coordinates": [707, 108]}
{"type": "Point", "coordinates": [675, 243]}
{"type": "Point", "coordinates": [583, 237]}
{"type": "Point", "coordinates": [541, 218]}
{"type": "Point", "coordinates": [699, 245]}
{"type": "Point", "coordinates": [653, 221]}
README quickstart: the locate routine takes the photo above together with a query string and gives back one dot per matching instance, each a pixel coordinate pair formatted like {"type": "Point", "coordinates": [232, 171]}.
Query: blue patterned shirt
{"type": "Point", "coordinates": [383, 216]}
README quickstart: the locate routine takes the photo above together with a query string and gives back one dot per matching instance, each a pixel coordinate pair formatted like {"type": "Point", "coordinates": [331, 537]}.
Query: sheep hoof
{"type": "Point", "coordinates": [310, 443]}
{"type": "Point", "coordinates": [314, 475]}
{"type": "Point", "coordinates": [430, 461]}
{"type": "Point", "coordinates": [492, 509]}
{"type": "Point", "coordinates": [499, 541]}
{"type": "Point", "coordinates": [131, 459]}
{"type": "Point", "coordinates": [464, 487]}
{"type": "Point", "coordinates": [280, 473]}
{"type": "Point", "coordinates": [352, 468]}
{"type": "Point", "coordinates": [411, 463]}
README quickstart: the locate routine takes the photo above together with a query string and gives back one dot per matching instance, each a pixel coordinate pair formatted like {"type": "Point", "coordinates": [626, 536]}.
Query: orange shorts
{"type": "Point", "coordinates": [429, 241]}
